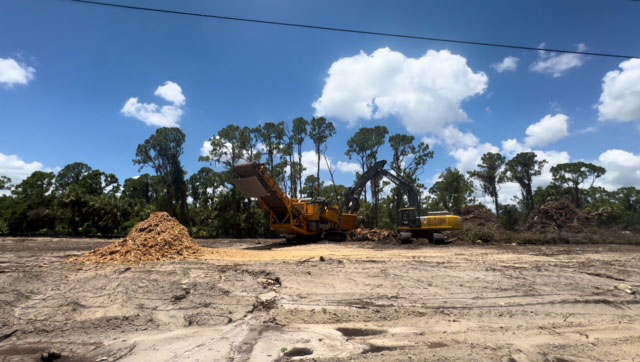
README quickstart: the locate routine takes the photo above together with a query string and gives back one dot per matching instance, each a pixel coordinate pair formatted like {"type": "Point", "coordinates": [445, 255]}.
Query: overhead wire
{"type": "Point", "coordinates": [355, 31]}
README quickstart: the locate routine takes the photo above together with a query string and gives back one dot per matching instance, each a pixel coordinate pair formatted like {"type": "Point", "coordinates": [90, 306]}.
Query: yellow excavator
{"type": "Point", "coordinates": [411, 223]}
{"type": "Point", "coordinates": [315, 219]}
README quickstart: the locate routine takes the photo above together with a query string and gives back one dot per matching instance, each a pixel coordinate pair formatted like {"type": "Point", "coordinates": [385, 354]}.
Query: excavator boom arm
{"type": "Point", "coordinates": [352, 196]}
{"type": "Point", "coordinates": [412, 193]}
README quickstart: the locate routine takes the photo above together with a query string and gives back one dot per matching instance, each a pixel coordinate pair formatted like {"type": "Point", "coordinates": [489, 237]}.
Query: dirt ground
{"type": "Point", "coordinates": [263, 300]}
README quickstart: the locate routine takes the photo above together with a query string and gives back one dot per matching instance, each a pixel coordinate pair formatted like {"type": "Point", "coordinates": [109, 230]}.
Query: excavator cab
{"type": "Point", "coordinates": [409, 217]}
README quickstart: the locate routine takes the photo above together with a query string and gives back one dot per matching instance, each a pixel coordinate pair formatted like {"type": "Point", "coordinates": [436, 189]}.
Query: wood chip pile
{"type": "Point", "coordinates": [559, 215]}
{"type": "Point", "coordinates": [362, 234]}
{"type": "Point", "coordinates": [158, 238]}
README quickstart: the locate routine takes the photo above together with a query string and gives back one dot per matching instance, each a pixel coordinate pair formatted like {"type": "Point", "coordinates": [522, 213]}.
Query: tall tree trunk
{"type": "Point", "coordinates": [270, 161]}
{"type": "Point", "coordinates": [299, 170]}
{"type": "Point", "coordinates": [364, 188]}
{"type": "Point", "coordinates": [333, 182]}
{"type": "Point", "coordinates": [530, 198]}
{"type": "Point", "coordinates": [396, 208]}
{"type": "Point", "coordinates": [318, 172]}
{"type": "Point", "coordinates": [170, 198]}
{"type": "Point", "coordinates": [292, 174]}
{"type": "Point", "coordinates": [495, 202]}
{"type": "Point", "coordinates": [376, 198]}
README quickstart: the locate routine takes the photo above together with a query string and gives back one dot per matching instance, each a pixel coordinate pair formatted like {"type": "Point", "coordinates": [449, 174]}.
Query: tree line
{"type": "Point", "coordinates": [82, 201]}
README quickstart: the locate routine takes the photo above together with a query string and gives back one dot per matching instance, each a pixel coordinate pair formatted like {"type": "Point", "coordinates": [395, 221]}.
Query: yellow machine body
{"type": "Point", "coordinates": [287, 215]}
{"type": "Point", "coordinates": [421, 226]}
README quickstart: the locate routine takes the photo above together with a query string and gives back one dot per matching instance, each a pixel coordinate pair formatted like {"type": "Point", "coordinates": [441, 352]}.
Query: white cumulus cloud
{"type": "Point", "coordinates": [512, 147]}
{"type": "Point", "coordinates": [154, 115]}
{"type": "Point", "coordinates": [455, 138]}
{"type": "Point", "coordinates": [171, 92]}
{"type": "Point", "coordinates": [206, 148]}
{"type": "Point", "coordinates": [13, 73]}
{"type": "Point", "coordinates": [508, 64]}
{"type": "Point", "coordinates": [557, 65]}
{"type": "Point", "coordinates": [620, 98]}
{"type": "Point", "coordinates": [623, 169]}
{"type": "Point", "coordinates": [16, 169]}
{"type": "Point", "coordinates": [469, 157]}
{"type": "Point", "coordinates": [548, 130]}
{"type": "Point", "coordinates": [424, 93]}
{"type": "Point", "coordinates": [310, 163]}
{"type": "Point", "coordinates": [553, 158]}
{"type": "Point", "coordinates": [348, 167]}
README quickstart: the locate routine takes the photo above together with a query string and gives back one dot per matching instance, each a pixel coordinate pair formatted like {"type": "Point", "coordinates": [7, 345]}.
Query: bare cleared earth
{"type": "Point", "coordinates": [262, 300]}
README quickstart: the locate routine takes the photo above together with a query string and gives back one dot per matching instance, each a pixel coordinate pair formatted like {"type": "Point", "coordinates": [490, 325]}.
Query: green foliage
{"type": "Point", "coordinates": [510, 216]}
{"type": "Point", "coordinates": [628, 198]}
{"type": "Point", "coordinates": [309, 188]}
{"type": "Point", "coordinates": [31, 209]}
{"type": "Point", "coordinates": [80, 200]}
{"type": "Point", "coordinates": [72, 175]}
{"type": "Point", "coordinates": [298, 134]}
{"type": "Point", "coordinates": [408, 161]}
{"type": "Point", "coordinates": [144, 188]}
{"type": "Point", "coordinates": [320, 131]}
{"type": "Point", "coordinates": [388, 214]}
{"type": "Point", "coordinates": [5, 183]}
{"type": "Point", "coordinates": [574, 174]}
{"type": "Point", "coordinates": [521, 169]}
{"type": "Point", "coordinates": [365, 144]}
{"type": "Point", "coordinates": [232, 144]}
{"type": "Point", "coordinates": [162, 152]}
{"type": "Point", "coordinates": [620, 208]}
{"type": "Point", "coordinates": [551, 192]}
{"type": "Point", "coordinates": [489, 177]}
{"type": "Point", "coordinates": [202, 187]}
{"type": "Point", "coordinates": [87, 201]}
{"type": "Point", "coordinates": [452, 192]}
{"type": "Point", "coordinates": [331, 192]}
{"type": "Point", "coordinates": [271, 135]}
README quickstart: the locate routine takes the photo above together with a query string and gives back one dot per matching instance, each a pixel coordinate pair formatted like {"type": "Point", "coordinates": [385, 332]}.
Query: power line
{"type": "Point", "coordinates": [354, 31]}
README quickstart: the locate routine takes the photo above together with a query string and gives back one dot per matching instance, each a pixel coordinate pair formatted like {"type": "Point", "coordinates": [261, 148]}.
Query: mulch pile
{"type": "Point", "coordinates": [560, 215]}
{"type": "Point", "coordinates": [158, 238]}
{"type": "Point", "coordinates": [362, 234]}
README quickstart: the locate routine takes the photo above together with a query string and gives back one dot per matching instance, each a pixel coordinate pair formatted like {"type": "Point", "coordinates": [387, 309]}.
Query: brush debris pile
{"type": "Point", "coordinates": [479, 215]}
{"type": "Point", "coordinates": [479, 224]}
{"type": "Point", "coordinates": [559, 215]}
{"type": "Point", "coordinates": [362, 234]}
{"type": "Point", "coordinates": [158, 238]}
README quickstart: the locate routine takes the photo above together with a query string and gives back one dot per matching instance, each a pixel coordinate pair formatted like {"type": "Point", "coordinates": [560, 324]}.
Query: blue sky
{"type": "Point", "coordinates": [84, 62]}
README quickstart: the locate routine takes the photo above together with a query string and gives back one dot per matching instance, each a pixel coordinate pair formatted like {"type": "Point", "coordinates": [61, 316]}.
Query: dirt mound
{"type": "Point", "coordinates": [158, 238]}
{"type": "Point", "coordinates": [479, 224]}
{"type": "Point", "coordinates": [362, 234]}
{"type": "Point", "coordinates": [559, 215]}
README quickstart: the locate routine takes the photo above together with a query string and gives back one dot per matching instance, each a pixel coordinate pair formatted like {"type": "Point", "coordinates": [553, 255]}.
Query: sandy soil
{"type": "Point", "coordinates": [263, 300]}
